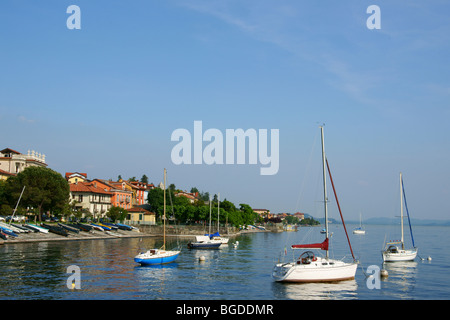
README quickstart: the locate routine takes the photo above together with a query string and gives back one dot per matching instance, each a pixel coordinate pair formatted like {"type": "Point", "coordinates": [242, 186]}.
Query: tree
{"type": "Point", "coordinates": [144, 179]}
{"type": "Point", "coordinates": [204, 196]}
{"type": "Point", "coordinates": [194, 190]}
{"type": "Point", "coordinates": [248, 215]}
{"type": "Point", "coordinates": [45, 189]}
{"type": "Point", "coordinates": [116, 213]}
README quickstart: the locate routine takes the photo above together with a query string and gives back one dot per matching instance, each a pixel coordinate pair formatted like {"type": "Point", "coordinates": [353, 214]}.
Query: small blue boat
{"type": "Point", "coordinates": [8, 232]}
{"type": "Point", "coordinates": [156, 256]}
{"type": "Point", "coordinates": [124, 226]}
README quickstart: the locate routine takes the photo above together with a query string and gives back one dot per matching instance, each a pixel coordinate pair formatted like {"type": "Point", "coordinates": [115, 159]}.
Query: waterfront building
{"type": "Point", "coordinates": [74, 177]}
{"type": "Point", "coordinates": [13, 161]}
{"type": "Point", "coordinates": [139, 192]}
{"type": "Point", "coordinates": [91, 197]}
{"type": "Point", "coordinates": [140, 216]}
{"type": "Point", "coordinates": [121, 196]}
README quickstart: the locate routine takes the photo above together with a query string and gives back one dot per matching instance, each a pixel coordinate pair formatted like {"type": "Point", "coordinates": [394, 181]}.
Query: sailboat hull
{"type": "Point", "coordinates": [400, 255]}
{"type": "Point", "coordinates": [160, 257]}
{"type": "Point", "coordinates": [320, 271]}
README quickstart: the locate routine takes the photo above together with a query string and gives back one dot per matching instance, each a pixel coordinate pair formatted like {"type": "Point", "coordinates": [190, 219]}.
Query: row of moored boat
{"type": "Point", "coordinates": [13, 230]}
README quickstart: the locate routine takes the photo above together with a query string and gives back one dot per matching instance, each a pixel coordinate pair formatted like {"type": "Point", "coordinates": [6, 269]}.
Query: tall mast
{"type": "Point", "coordinates": [218, 205]}
{"type": "Point", "coordinates": [325, 199]}
{"type": "Point", "coordinates": [164, 216]}
{"type": "Point", "coordinates": [210, 214]}
{"type": "Point", "coordinates": [401, 207]}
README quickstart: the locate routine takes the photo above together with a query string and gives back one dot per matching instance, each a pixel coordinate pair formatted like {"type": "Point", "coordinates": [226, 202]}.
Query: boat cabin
{"type": "Point", "coordinates": [306, 258]}
{"type": "Point", "coordinates": [392, 249]}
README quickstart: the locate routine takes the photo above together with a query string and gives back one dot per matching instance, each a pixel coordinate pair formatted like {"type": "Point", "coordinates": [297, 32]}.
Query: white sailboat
{"type": "Point", "coordinates": [395, 250]}
{"type": "Point", "coordinates": [309, 267]}
{"type": "Point", "coordinates": [158, 256]}
{"type": "Point", "coordinates": [359, 230]}
{"type": "Point", "coordinates": [216, 236]}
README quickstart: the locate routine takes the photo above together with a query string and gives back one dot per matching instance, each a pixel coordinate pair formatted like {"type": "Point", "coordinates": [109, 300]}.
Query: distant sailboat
{"type": "Point", "coordinates": [309, 267]}
{"type": "Point", "coordinates": [395, 250]}
{"type": "Point", "coordinates": [359, 230]}
{"type": "Point", "coordinates": [159, 256]}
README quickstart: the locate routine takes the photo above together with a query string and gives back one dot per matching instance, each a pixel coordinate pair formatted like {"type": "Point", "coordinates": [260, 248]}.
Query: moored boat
{"type": "Point", "coordinates": [204, 242]}
{"type": "Point", "coordinates": [395, 250]}
{"type": "Point", "coordinates": [159, 256]}
{"type": "Point", "coordinates": [156, 256]}
{"type": "Point", "coordinates": [312, 268]}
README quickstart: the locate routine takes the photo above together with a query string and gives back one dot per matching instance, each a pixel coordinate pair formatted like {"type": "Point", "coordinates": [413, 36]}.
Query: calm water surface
{"type": "Point", "coordinates": [108, 271]}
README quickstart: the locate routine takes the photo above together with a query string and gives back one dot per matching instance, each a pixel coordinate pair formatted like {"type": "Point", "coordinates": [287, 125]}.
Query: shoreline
{"type": "Point", "coordinates": [33, 237]}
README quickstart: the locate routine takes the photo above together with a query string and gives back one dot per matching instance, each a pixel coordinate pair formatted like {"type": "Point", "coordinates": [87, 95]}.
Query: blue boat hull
{"type": "Point", "coordinates": [156, 260]}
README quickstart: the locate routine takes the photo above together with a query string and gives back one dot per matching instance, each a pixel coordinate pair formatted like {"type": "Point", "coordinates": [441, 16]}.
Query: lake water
{"type": "Point", "coordinates": [108, 271]}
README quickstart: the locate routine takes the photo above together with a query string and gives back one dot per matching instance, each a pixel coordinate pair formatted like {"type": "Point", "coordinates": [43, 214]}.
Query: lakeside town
{"type": "Point", "coordinates": [133, 202]}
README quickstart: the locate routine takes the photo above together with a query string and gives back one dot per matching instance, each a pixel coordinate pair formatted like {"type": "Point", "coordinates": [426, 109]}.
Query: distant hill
{"type": "Point", "coordinates": [391, 221]}
{"type": "Point", "coordinates": [414, 222]}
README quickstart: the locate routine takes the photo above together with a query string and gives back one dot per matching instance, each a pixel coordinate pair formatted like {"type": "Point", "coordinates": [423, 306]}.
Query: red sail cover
{"type": "Point", "coordinates": [323, 245]}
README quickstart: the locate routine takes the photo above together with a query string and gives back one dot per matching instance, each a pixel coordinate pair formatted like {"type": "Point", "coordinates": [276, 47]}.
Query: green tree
{"type": "Point", "coordinates": [248, 215]}
{"type": "Point", "coordinates": [194, 190]}
{"type": "Point", "coordinates": [144, 179]}
{"type": "Point", "coordinates": [45, 189]}
{"type": "Point", "coordinates": [116, 213]}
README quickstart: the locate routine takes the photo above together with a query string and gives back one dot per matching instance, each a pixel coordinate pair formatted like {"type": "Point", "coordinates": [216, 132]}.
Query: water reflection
{"type": "Point", "coordinates": [316, 291]}
{"type": "Point", "coordinates": [402, 276]}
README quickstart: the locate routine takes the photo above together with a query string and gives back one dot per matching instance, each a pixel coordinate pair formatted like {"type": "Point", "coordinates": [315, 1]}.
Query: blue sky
{"type": "Point", "coordinates": [105, 99]}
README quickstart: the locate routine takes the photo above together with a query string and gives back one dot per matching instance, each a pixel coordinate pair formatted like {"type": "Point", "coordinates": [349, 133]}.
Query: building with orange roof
{"type": "Point", "coordinates": [121, 196]}
{"type": "Point", "coordinates": [139, 193]}
{"type": "Point", "coordinates": [73, 177]}
{"type": "Point", "coordinates": [5, 174]}
{"type": "Point", "coordinates": [91, 197]}
{"type": "Point", "coordinates": [141, 216]}
{"type": "Point", "coordinates": [192, 197]}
